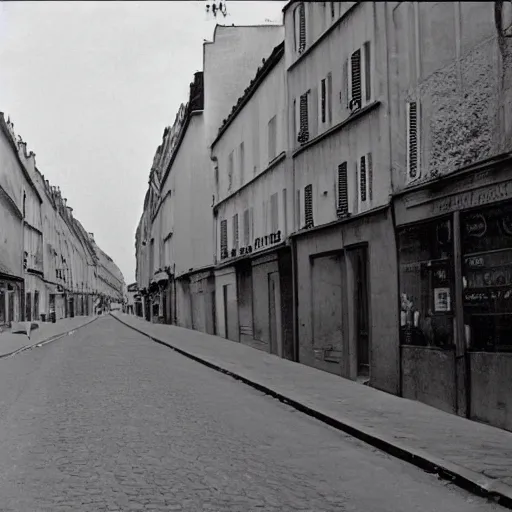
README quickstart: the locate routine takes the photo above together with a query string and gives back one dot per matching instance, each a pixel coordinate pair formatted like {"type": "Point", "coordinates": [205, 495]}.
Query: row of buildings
{"type": "Point", "coordinates": [50, 267]}
{"type": "Point", "coordinates": [337, 191]}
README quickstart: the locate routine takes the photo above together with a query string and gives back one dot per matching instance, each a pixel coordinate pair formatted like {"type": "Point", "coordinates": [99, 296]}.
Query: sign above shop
{"type": "Point", "coordinates": [259, 243]}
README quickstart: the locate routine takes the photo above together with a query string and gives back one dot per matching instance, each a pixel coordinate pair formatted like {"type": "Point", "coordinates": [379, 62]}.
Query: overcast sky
{"type": "Point", "coordinates": [90, 86]}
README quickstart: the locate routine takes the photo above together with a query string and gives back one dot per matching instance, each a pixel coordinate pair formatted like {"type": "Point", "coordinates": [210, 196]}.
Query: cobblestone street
{"type": "Point", "coordinates": [106, 419]}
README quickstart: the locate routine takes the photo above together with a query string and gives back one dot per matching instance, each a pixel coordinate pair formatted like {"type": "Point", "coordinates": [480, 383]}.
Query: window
{"type": "Point", "coordinates": [230, 171]}
{"type": "Point", "coordinates": [323, 99]}
{"type": "Point", "coordinates": [486, 246]}
{"type": "Point", "coordinates": [285, 212]}
{"type": "Point", "coordinates": [329, 97]}
{"type": "Point", "coordinates": [294, 120]}
{"type": "Point", "coordinates": [28, 307]}
{"type": "Point", "coordinates": [426, 284]}
{"type": "Point", "coordinates": [413, 141]}
{"type": "Point", "coordinates": [304, 125]}
{"type": "Point", "coordinates": [274, 213]}
{"type": "Point", "coordinates": [235, 231]}
{"type": "Point", "coordinates": [365, 186]}
{"type": "Point", "coordinates": [242, 162]}
{"type": "Point", "coordinates": [359, 78]}
{"type": "Point", "coordinates": [299, 22]}
{"type": "Point", "coordinates": [272, 139]}
{"type": "Point", "coordinates": [247, 227]}
{"type": "Point", "coordinates": [332, 9]}
{"type": "Point", "coordinates": [342, 209]}
{"type": "Point", "coordinates": [24, 204]}
{"type": "Point", "coordinates": [298, 221]}
{"type": "Point", "coordinates": [308, 206]}
{"type": "Point", "coordinates": [224, 238]}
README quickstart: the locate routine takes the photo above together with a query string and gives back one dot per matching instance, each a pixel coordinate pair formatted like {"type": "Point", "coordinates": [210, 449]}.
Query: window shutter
{"type": "Point", "coordinates": [251, 218]}
{"type": "Point", "coordinates": [285, 213]}
{"type": "Point", "coordinates": [323, 106]}
{"type": "Point", "coordinates": [235, 231]}
{"type": "Point", "coordinates": [302, 27]}
{"type": "Point", "coordinates": [342, 190]}
{"type": "Point", "coordinates": [298, 221]}
{"type": "Point", "coordinates": [362, 178]}
{"type": "Point", "coordinates": [332, 9]}
{"type": "Point", "coordinates": [272, 139]}
{"type": "Point", "coordinates": [355, 81]}
{"type": "Point", "coordinates": [367, 71]}
{"type": "Point", "coordinates": [242, 162]}
{"type": "Point", "coordinates": [274, 220]}
{"type": "Point", "coordinates": [223, 238]}
{"type": "Point", "coordinates": [304, 126]}
{"type": "Point", "coordinates": [308, 206]}
{"type": "Point", "coordinates": [344, 94]}
{"type": "Point", "coordinates": [369, 164]}
{"type": "Point", "coordinates": [329, 97]}
{"type": "Point", "coordinates": [313, 123]}
{"type": "Point", "coordinates": [294, 120]}
{"type": "Point", "coordinates": [230, 171]}
{"type": "Point", "coordinates": [412, 140]}
{"type": "Point", "coordinates": [247, 227]}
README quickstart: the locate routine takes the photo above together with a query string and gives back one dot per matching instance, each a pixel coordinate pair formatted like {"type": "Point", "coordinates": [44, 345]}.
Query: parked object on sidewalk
{"type": "Point", "coordinates": [24, 327]}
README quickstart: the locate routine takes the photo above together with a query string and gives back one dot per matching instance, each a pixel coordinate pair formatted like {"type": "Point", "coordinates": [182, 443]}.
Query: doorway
{"type": "Point", "coordinates": [359, 259]}
{"type": "Point", "coordinates": [274, 306]}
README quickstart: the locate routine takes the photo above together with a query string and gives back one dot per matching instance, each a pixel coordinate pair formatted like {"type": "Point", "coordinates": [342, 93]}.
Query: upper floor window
{"type": "Point", "coordinates": [230, 171]}
{"type": "Point", "coordinates": [274, 213]}
{"type": "Point", "coordinates": [235, 231]}
{"type": "Point", "coordinates": [272, 139]}
{"type": "Point", "coordinates": [365, 191]}
{"type": "Point", "coordinates": [242, 162]}
{"type": "Point", "coordinates": [359, 78]}
{"type": "Point", "coordinates": [303, 135]}
{"type": "Point", "coordinates": [299, 22]}
{"type": "Point", "coordinates": [247, 227]}
{"type": "Point", "coordinates": [326, 99]}
{"type": "Point", "coordinates": [413, 141]}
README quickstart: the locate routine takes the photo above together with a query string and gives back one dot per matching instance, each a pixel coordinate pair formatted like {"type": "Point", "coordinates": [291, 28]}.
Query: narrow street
{"type": "Point", "coordinates": [105, 419]}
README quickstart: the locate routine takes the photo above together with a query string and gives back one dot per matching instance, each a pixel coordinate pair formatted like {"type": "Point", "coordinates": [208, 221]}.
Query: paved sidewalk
{"type": "Point", "coordinates": [10, 343]}
{"type": "Point", "coordinates": [472, 455]}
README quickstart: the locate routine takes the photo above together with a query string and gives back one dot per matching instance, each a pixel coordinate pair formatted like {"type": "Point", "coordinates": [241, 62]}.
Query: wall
{"type": "Point", "coordinates": [352, 136]}
{"type": "Point", "coordinates": [462, 84]}
{"type": "Point", "coordinates": [192, 239]}
{"type": "Point", "coordinates": [227, 73]}
{"type": "Point", "coordinates": [383, 298]}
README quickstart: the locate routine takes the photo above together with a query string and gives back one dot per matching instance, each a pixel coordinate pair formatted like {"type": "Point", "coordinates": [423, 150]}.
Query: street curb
{"type": "Point", "coordinates": [467, 479]}
{"type": "Point", "coordinates": [44, 342]}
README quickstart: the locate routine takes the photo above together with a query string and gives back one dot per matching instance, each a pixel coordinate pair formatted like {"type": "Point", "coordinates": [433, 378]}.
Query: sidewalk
{"type": "Point", "coordinates": [475, 456]}
{"type": "Point", "coordinates": [10, 343]}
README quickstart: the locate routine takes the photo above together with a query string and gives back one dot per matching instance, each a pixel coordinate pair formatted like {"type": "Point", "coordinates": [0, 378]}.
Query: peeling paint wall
{"type": "Point", "coordinates": [447, 56]}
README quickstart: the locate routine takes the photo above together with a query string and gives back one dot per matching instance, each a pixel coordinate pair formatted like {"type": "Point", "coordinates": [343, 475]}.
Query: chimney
{"type": "Point", "coordinates": [65, 201]}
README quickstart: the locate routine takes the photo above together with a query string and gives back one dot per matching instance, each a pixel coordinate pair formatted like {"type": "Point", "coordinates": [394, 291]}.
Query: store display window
{"type": "Point", "coordinates": [427, 284]}
{"type": "Point", "coordinates": [486, 245]}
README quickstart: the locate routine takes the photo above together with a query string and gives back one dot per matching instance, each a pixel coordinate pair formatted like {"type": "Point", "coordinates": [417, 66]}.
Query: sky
{"type": "Point", "coordinates": [90, 87]}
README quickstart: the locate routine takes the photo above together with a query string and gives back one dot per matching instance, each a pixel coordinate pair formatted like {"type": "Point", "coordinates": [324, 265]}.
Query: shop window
{"type": "Point", "coordinates": [486, 245]}
{"type": "Point", "coordinates": [426, 284]}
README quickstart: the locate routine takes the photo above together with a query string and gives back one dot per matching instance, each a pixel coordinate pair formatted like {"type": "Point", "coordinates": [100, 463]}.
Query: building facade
{"type": "Point", "coordinates": [50, 267]}
{"type": "Point", "coordinates": [451, 113]}
{"type": "Point", "coordinates": [253, 206]}
{"type": "Point", "coordinates": [345, 256]}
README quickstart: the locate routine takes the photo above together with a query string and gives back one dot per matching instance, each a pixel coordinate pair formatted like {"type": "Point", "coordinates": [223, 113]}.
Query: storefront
{"type": "Point", "coordinates": [11, 291]}
{"type": "Point", "coordinates": [455, 282]}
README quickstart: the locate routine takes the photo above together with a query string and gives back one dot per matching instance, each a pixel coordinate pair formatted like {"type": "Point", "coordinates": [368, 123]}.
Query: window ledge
{"type": "Point", "coordinates": [349, 120]}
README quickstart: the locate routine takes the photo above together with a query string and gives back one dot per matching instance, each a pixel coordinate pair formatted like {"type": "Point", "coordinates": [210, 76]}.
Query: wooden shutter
{"type": "Point", "coordinates": [251, 217]}
{"type": "Point", "coordinates": [274, 212]}
{"type": "Point", "coordinates": [294, 120]}
{"type": "Point", "coordinates": [369, 165]}
{"type": "Point", "coordinates": [308, 206]}
{"type": "Point", "coordinates": [355, 81]}
{"type": "Point", "coordinates": [367, 72]}
{"type": "Point", "coordinates": [342, 190]}
{"type": "Point", "coordinates": [362, 179]}
{"type": "Point", "coordinates": [329, 97]}
{"type": "Point", "coordinates": [302, 27]}
{"type": "Point", "coordinates": [242, 163]}
{"type": "Point", "coordinates": [344, 94]}
{"type": "Point", "coordinates": [298, 220]}
{"type": "Point", "coordinates": [235, 231]}
{"type": "Point", "coordinates": [272, 135]}
{"type": "Point", "coordinates": [323, 99]}
{"type": "Point", "coordinates": [247, 227]}
{"type": "Point", "coordinates": [304, 125]}
{"type": "Point", "coordinates": [285, 213]}
{"type": "Point", "coordinates": [412, 140]}
{"type": "Point", "coordinates": [230, 171]}
{"type": "Point", "coordinates": [223, 238]}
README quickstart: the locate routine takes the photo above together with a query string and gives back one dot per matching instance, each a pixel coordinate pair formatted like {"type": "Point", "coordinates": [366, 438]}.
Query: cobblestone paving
{"type": "Point", "coordinates": [106, 420]}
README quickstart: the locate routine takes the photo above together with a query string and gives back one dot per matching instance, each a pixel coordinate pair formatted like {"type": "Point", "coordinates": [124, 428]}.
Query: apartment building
{"type": "Point", "coordinates": [253, 214]}
{"type": "Point", "coordinates": [451, 139]}
{"type": "Point", "coordinates": [345, 255]}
